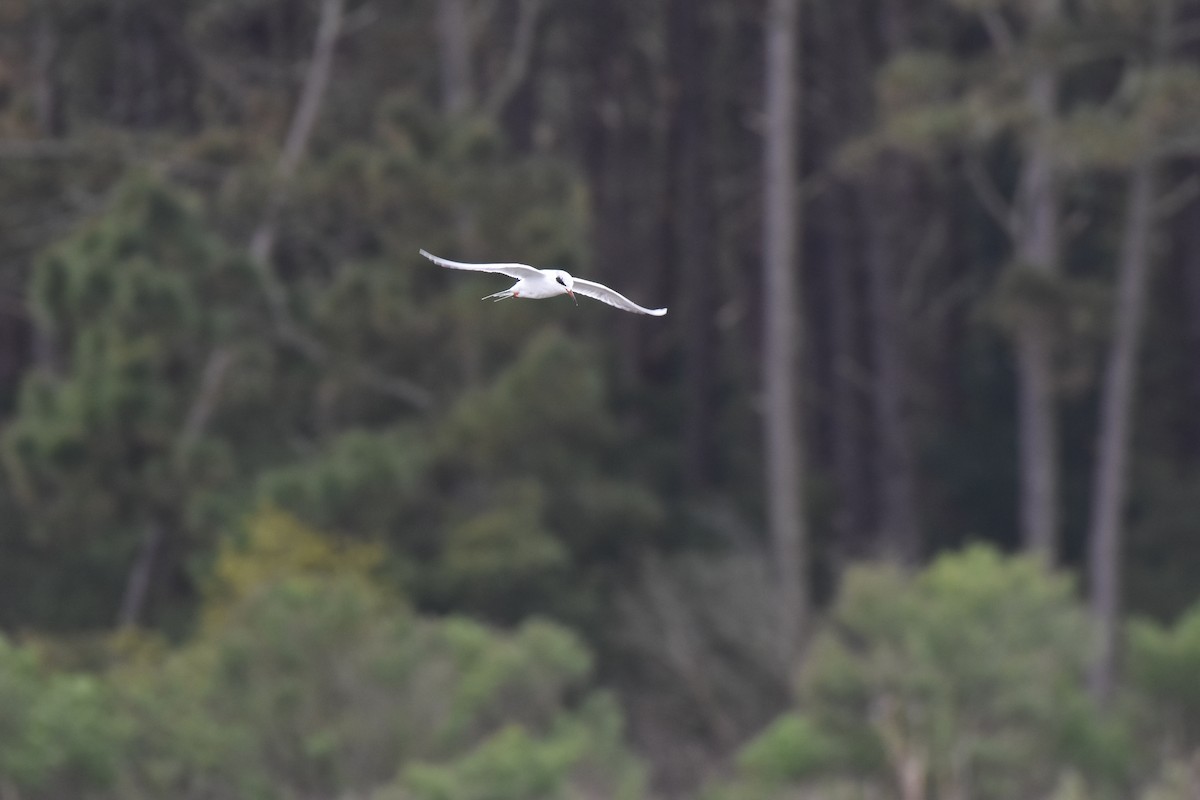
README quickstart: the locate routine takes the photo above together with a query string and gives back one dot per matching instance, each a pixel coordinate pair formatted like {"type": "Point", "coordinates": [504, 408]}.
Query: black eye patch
{"type": "Point", "coordinates": [560, 280]}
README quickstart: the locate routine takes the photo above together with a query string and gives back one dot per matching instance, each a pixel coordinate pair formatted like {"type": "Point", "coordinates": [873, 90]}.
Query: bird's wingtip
{"type": "Point", "coordinates": [425, 253]}
{"type": "Point", "coordinates": [659, 312]}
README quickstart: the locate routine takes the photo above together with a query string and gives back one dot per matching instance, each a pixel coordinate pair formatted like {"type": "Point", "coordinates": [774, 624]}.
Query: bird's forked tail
{"type": "Point", "coordinates": [498, 296]}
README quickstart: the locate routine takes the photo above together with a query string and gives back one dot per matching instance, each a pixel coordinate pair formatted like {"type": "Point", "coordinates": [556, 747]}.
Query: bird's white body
{"type": "Point", "coordinates": [537, 284]}
{"type": "Point", "coordinates": [541, 286]}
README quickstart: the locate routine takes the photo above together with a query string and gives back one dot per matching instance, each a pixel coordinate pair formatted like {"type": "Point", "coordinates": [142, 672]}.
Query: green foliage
{"type": "Point", "coordinates": [1164, 664]}
{"type": "Point", "coordinates": [137, 302]}
{"type": "Point", "coordinates": [968, 675]}
{"type": "Point", "coordinates": [308, 677]}
{"type": "Point", "coordinates": [58, 734]}
{"type": "Point", "coordinates": [276, 546]}
{"type": "Point", "coordinates": [140, 145]}
{"type": "Point", "coordinates": [1162, 543]}
{"type": "Point", "coordinates": [494, 504]}
{"type": "Point", "coordinates": [579, 756]}
{"type": "Point", "coordinates": [793, 748]}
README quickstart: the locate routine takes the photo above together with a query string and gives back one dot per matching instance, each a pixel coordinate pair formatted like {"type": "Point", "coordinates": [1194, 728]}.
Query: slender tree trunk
{"type": "Point", "coordinates": [1110, 483]}
{"type": "Point", "coordinates": [896, 536]}
{"type": "Point", "coordinates": [839, 60]}
{"type": "Point", "coordinates": [262, 241]}
{"type": "Point", "coordinates": [316, 81]}
{"type": "Point", "coordinates": [606, 159]}
{"type": "Point", "coordinates": [847, 409]}
{"type": "Point", "coordinates": [137, 586]}
{"type": "Point", "coordinates": [693, 226]}
{"type": "Point", "coordinates": [122, 74]}
{"type": "Point", "coordinates": [51, 124]}
{"type": "Point", "coordinates": [454, 51]}
{"type": "Point", "coordinates": [1188, 227]}
{"type": "Point", "coordinates": [1037, 247]}
{"type": "Point", "coordinates": [458, 98]}
{"type": "Point", "coordinates": [1188, 234]}
{"type": "Point", "coordinates": [784, 464]}
{"type": "Point", "coordinates": [890, 219]}
{"type": "Point", "coordinates": [47, 89]}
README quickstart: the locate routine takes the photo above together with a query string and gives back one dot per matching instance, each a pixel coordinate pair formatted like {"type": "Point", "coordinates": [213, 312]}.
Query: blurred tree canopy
{"type": "Point", "coordinates": [308, 676]}
{"type": "Point", "coordinates": [286, 511]}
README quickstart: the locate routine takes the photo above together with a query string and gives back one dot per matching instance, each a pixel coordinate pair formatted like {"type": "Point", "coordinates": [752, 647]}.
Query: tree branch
{"type": "Point", "coordinates": [454, 49]}
{"type": "Point", "coordinates": [262, 242]}
{"type": "Point", "coordinates": [993, 202]}
{"type": "Point", "coordinates": [516, 69]}
{"type": "Point", "coordinates": [998, 31]}
{"type": "Point", "coordinates": [1178, 197]}
{"type": "Point", "coordinates": [313, 93]}
{"type": "Point", "coordinates": [204, 404]}
{"type": "Point", "coordinates": [137, 585]}
{"type": "Point", "coordinates": [31, 149]}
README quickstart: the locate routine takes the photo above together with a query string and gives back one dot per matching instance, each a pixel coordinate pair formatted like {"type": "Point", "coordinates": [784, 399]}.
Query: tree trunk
{"type": "Point", "coordinates": [137, 586]}
{"type": "Point", "coordinates": [851, 517]}
{"type": "Point", "coordinates": [458, 98]}
{"type": "Point", "coordinates": [47, 90]}
{"type": "Point", "coordinates": [312, 95]}
{"type": "Point", "coordinates": [454, 50]}
{"type": "Point", "coordinates": [692, 223]}
{"type": "Point", "coordinates": [896, 535]}
{"type": "Point", "coordinates": [606, 158]}
{"type": "Point", "coordinates": [840, 60]}
{"type": "Point", "coordinates": [1188, 228]}
{"type": "Point", "coordinates": [889, 207]}
{"type": "Point", "coordinates": [1037, 214]}
{"type": "Point", "coordinates": [1110, 482]}
{"type": "Point", "coordinates": [784, 464]}
{"type": "Point", "coordinates": [48, 106]}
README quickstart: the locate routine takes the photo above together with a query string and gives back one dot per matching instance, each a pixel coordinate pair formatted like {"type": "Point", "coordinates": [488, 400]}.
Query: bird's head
{"type": "Point", "coordinates": [567, 283]}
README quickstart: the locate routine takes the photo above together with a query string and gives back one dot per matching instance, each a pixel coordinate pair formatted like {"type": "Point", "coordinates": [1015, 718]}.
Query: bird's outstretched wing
{"type": "Point", "coordinates": [598, 291]}
{"type": "Point", "coordinates": [514, 271]}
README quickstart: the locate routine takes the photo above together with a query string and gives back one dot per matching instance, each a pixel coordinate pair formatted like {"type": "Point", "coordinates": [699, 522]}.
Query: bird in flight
{"type": "Point", "coordinates": [536, 284]}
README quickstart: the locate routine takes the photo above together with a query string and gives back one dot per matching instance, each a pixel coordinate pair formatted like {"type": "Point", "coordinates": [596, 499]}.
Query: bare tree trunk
{"type": "Point", "coordinates": [205, 403]}
{"type": "Point", "coordinates": [454, 50]}
{"type": "Point", "coordinates": [1037, 217]}
{"type": "Point", "coordinates": [607, 157]}
{"type": "Point", "coordinates": [847, 409]}
{"type": "Point", "coordinates": [520, 56]}
{"type": "Point", "coordinates": [262, 241]}
{"type": "Point", "coordinates": [693, 229]}
{"type": "Point", "coordinates": [122, 74]}
{"type": "Point", "coordinates": [458, 99]}
{"type": "Point", "coordinates": [1037, 443]}
{"type": "Point", "coordinates": [47, 90]}
{"type": "Point", "coordinates": [784, 454]}
{"type": "Point", "coordinates": [137, 586]}
{"type": "Point", "coordinates": [49, 110]}
{"type": "Point", "coordinates": [896, 537]}
{"type": "Point", "coordinates": [312, 95]}
{"type": "Point", "coordinates": [841, 60]}
{"type": "Point", "coordinates": [1110, 482]}
{"type": "Point", "coordinates": [889, 219]}
{"type": "Point", "coordinates": [1188, 228]}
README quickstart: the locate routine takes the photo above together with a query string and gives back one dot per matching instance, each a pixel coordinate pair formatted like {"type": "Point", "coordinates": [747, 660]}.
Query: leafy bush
{"type": "Point", "coordinates": [965, 680]}
{"type": "Point", "coordinates": [1164, 665]}
{"type": "Point", "coordinates": [309, 678]}
{"type": "Point", "coordinates": [58, 733]}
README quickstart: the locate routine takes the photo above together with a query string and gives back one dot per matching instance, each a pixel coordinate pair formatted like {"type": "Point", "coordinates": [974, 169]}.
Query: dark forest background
{"type": "Point", "coordinates": [901, 499]}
